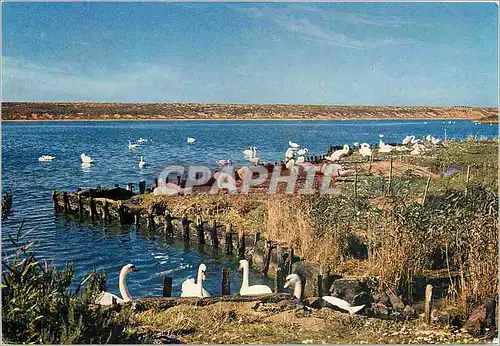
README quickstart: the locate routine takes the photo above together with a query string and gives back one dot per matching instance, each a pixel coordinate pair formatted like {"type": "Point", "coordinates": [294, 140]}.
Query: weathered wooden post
{"type": "Point", "coordinates": [130, 187]}
{"type": "Point", "coordinates": [213, 235]}
{"type": "Point", "coordinates": [370, 165]}
{"type": "Point", "coordinates": [80, 202]}
{"type": "Point", "coordinates": [185, 228]}
{"type": "Point", "coordinates": [151, 220]}
{"type": "Point", "coordinates": [267, 260]}
{"type": "Point", "coordinates": [426, 189]}
{"type": "Point", "coordinates": [289, 261]}
{"type": "Point", "coordinates": [155, 184]}
{"type": "Point", "coordinates": [169, 228]}
{"type": "Point", "coordinates": [67, 207]}
{"type": "Point", "coordinates": [241, 244]}
{"type": "Point", "coordinates": [319, 285]}
{"type": "Point", "coordinates": [428, 303]}
{"type": "Point", "coordinates": [355, 180]}
{"type": "Point", "coordinates": [390, 178]}
{"type": "Point", "coordinates": [467, 179]}
{"type": "Point", "coordinates": [199, 231]}
{"type": "Point", "coordinates": [229, 239]}
{"type": "Point", "coordinates": [142, 187]}
{"type": "Point", "coordinates": [121, 212]}
{"type": "Point", "coordinates": [137, 219]}
{"type": "Point", "coordinates": [55, 202]}
{"type": "Point", "coordinates": [279, 279]}
{"type": "Point", "coordinates": [93, 210]}
{"type": "Point", "coordinates": [167, 287]}
{"type": "Point", "coordinates": [256, 238]}
{"type": "Point", "coordinates": [226, 281]}
{"type": "Point", "coordinates": [106, 216]}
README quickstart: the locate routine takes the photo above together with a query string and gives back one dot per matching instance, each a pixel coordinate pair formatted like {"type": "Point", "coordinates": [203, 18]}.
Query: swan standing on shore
{"type": "Point", "coordinates": [384, 148]}
{"type": "Point", "coordinates": [132, 146]}
{"type": "Point", "coordinates": [247, 290]}
{"type": "Point", "coordinates": [106, 298]}
{"type": "Point", "coordinates": [46, 158]}
{"type": "Point", "coordinates": [340, 303]}
{"type": "Point", "coordinates": [86, 159]}
{"type": "Point", "coordinates": [338, 154]}
{"type": "Point", "coordinates": [190, 288]}
{"type": "Point", "coordinates": [365, 150]}
{"type": "Point", "coordinates": [191, 140]}
{"type": "Point", "coordinates": [141, 163]}
{"type": "Point", "coordinates": [293, 281]}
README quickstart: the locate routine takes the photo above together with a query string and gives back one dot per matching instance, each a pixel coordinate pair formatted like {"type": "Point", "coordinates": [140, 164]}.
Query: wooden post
{"type": "Point", "coordinates": [151, 221]}
{"type": "Point", "coordinates": [229, 239]}
{"type": "Point", "coordinates": [370, 165]}
{"type": "Point", "coordinates": [213, 235]}
{"type": "Point", "coordinates": [93, 210]}
{"type": "Point", "coordinates": [279, 279]}
{"type": "Point", "coordinates": [155, 184]}
{"type": "Point", "coordinates": [426, 189]}
{"type": "Point", "coordinates": [390, 178]}
{"type": "Point", "coordinates": [267, 261]}
{"type": "Point", "coordinates": [241, 245]}
{"type": "Point", "coordinates": [167, 287]}
{"type": "Point", "coordinates": [67, 207]}
{"type": "Point", "coordinates": [428, 303]}
{"type": "Point", "coordinates": [55, 202]}
{"type": "Point", "coordinates": [467, 179]}
{"type": "Point", "coordinates": [121, 213]}
{"type": "Point", "coordinates": [185, 228]}
{"type": "Point", "coordinates": [256, 238]}
{"type": "Point", "coordinates": [106, 216]}
{"type": "Point", "coordinates": [319, 285]}
{"type": "Point", "coordinates": [80, 202]}
{"type": "Point", "coordinates": [142, 187]}
{"type": "Point", "coordinates": [289, 261]}
{"type": "Point", "coordinates": [137, 221]}
{"type": "Point", "coordinates": [226, 281]}
{"type": "Point", "coordinates": [169, 228]}
{"type": "Point", "coordinates": [199, 231]}
{"type": "Point", "coordinates": [130, 187]}
{"type": "Point", "coordinates": [355, 180]}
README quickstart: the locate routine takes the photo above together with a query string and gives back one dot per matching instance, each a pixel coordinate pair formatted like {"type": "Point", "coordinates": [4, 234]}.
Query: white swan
{"type": "Point", "coordinates": [336, 155]}
{"type": "Point", "coordinates": [332, 170]}
{"type": "Point", "coordinates": [342, 304]}
{"type": "Point", "coordinates": [384, 148]}
{"type": "Point", "coordinates": [302, 151]}
{"type": "Point", "coordinates": [289, 153]}
{"type": "Point", "coordinates": [86, 159]}
{"type": "Point", "coordinates": [141, 163]}
{"type": "Point", "coordinates": [408, 139]}
{"type": "Point", "coordinates": [365, 150]}
{"type": "Point", "coordinates": [292, 144]}
{"type": "Point", "coordinates": [247, 290]}
{"type": "Point", "coordinates": [191, 140]}
{"type": "Point", "coordinates": [250, 153]}
{"type": "Point", "coordinates": [224, 163]}
{"type": "Point", "coordinates": [172, 189]}
{"type": "Point", "coordinates": [45, 158]}
{"type": "Point", "coordinates": [106, 298]}
{"type": "Point", "coordinates": [300, 159]}
{"type": "Point", "coordinates": [290, 163]}
{"type": "Point", "coordinates": [141, 140]}
{"type": "Point", "coordinates": [190, 288]}
{"type": "Point", "coordinates": [293, 281]}
{"type": "Point", "coordinates": [132, 146]}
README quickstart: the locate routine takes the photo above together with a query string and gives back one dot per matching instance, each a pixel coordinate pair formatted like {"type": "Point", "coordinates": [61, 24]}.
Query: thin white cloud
{"type": "Point", "coordinates": [27, 80]}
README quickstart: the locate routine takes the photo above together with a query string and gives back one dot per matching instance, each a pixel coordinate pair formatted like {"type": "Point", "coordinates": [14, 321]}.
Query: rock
{"type": "Point", "coordinates": [354, 291]}
{"type": "Point", "coordinates": [314, 302]}
{"type": "Point", "coordinates": [409, 312]}
{"type": "Point", "coordinates": [482, 317]}
{"type": "Point", "coordinates": [396, 302]}
{"type": "Point", "coordinates": [445, 317]}
{"type": "Point", "coordinates": [381, 297]}
{"type": "Point", "coordinates": [378, 310]}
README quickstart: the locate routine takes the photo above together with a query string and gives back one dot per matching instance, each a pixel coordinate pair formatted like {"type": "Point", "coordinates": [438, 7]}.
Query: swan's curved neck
{"type": "Point", "coordinates": [199, 280]}
{"type": "Point", "coordinates": [244, 284]}
{"type": "Point", "coordinates": [123, 286]}
{"type": "Point", "coordinates": [297, 290]}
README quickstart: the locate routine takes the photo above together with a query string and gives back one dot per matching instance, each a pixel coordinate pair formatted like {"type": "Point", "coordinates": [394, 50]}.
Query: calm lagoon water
{"type": "Point", "coordinates": [109, 248]}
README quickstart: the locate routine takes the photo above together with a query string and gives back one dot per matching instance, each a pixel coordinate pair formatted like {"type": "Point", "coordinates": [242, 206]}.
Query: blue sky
{"type": "Point", "coordinates": [295, 53]}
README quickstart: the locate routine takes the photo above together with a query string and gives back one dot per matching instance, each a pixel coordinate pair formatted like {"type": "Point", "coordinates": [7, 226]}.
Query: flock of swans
{"type": "Point", "coordinates": [194, 288]}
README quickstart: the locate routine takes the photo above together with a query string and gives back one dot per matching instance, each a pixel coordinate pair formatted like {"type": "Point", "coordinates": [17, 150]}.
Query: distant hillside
{"type": "Point", "coordinates": [143, 111]}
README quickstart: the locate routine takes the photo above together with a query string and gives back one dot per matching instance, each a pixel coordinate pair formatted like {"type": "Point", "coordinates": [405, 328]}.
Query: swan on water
{"type": "Point", "coordinates": [250, 153]}
{"type": "Point", "coordinates": [141, 140]}
{"type": "Point", "coordinates": [340, 303]}
{"type": "Point", "coordinates": [365, 150]}
{"type": "Point", "coordinates": [106, 298]}
{"type": "Point", "coordinates": [132, 146]}
{"type": "Point", "coordinates": [338, 154]}
{"type": "Point", "coordinates": [86, 159]}
{"type": "Point", "coordinates": [292, 144]}
{"type": "Point", "coordinates": [45, 158]}
{"type": "Point", "coordinates": [190, 288]}
{"type": "Point", "coordinates": [293, 281]}
{"type": "Point", "coordinates": [141, 163]}
{"type": "Point", "coordinates": [247, 290]}
{"type": "Point", "coordinates": [191, 140]}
